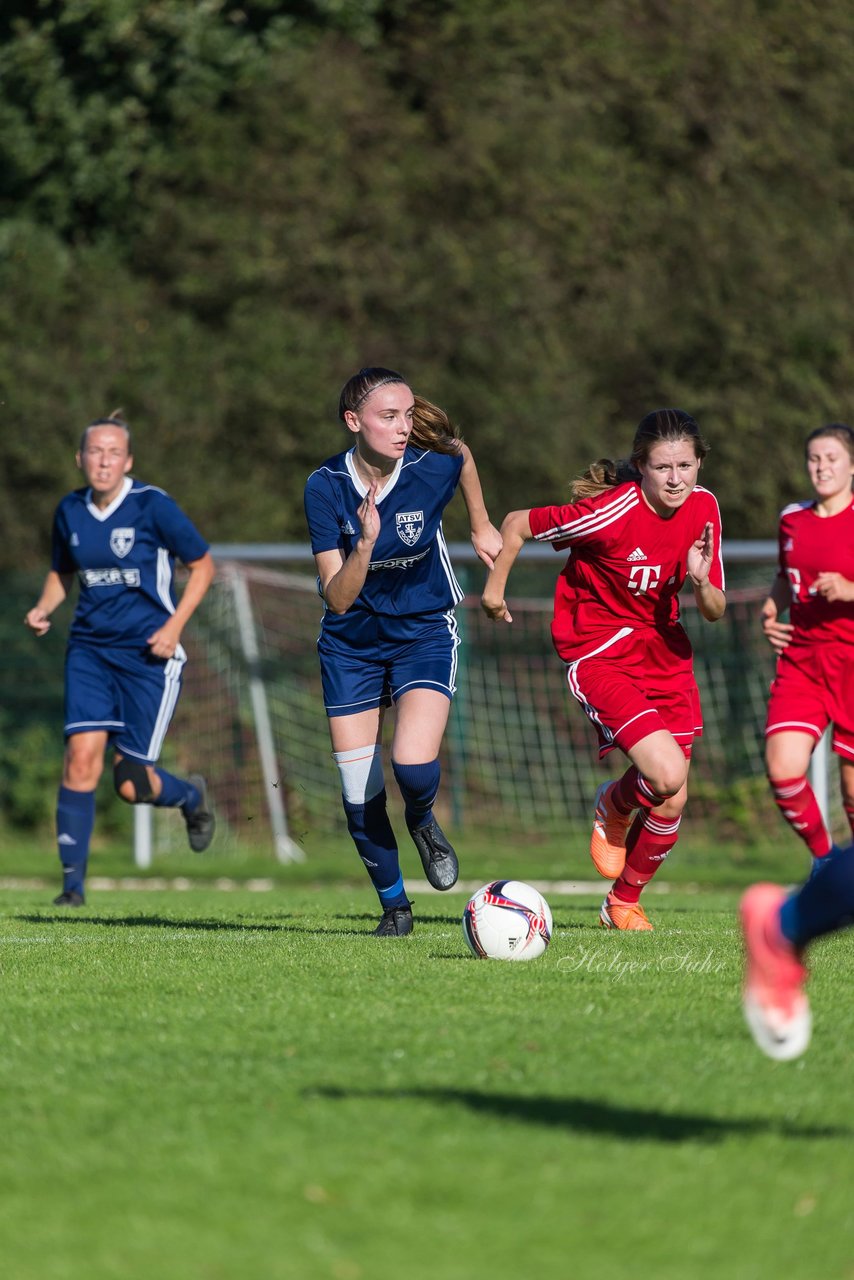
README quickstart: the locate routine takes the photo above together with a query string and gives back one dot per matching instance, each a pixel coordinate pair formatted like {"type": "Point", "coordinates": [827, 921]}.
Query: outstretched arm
{"type": "Point", "coordinates": [711, 601]}
{"type": "Point", "coordinates": [165, 640]}
{"type": "Point", "coordinates": [515, 532]}
{"type": "Point", "coordinates": [55, 589]}
{"type": "Point", "coordinates": [485, 537]}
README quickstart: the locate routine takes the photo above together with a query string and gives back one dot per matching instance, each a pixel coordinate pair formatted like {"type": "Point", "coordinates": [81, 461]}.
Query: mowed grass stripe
{"type": "Point", "coordinates": [209, 1085]}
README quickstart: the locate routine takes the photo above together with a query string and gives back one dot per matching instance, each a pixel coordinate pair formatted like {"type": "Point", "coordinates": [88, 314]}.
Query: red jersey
{"type": "Point", "coordinates": [626, 567]}
{"type": "Point", "coordinates": [811, 544]}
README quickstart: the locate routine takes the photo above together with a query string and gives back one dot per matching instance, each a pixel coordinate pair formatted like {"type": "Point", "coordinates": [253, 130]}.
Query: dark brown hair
{"type": "Point", "coordinates": [836, 431]}
{"type": "Point", "coordinates": [660, 426]}
{"type": "Point", "coordinates": [356, 390]}
{"type": "Point", "coordinates": [431, 427]}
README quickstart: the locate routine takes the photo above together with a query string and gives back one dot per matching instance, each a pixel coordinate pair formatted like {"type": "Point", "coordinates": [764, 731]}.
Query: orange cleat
{"type": "Point", "coordinates": [775, 1004]}
{"type": "Point", "coordinates": [608, 841]}
{"type": "Point", "coordinates": [614, 914]}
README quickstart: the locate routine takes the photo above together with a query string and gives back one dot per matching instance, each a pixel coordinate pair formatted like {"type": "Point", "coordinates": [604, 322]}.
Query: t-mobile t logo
{"type": "Point", "coordinates": [644, 577]}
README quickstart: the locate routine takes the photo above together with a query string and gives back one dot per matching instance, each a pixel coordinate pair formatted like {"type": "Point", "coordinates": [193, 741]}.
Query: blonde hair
{"type": "Point", "coordinates": [601, 475]}
{"type": "Point", "coordinates": [114, 419]}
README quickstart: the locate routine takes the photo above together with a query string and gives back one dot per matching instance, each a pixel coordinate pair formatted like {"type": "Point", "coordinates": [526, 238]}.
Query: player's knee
{"type": "Point", "coordinates": [81, 768]}
{"type": "Point", "coordinates": [132, 782]}
{"type": "Point", "coordinates": [361, 773]}
{"type": "Point", "coordinates": [669, 777]}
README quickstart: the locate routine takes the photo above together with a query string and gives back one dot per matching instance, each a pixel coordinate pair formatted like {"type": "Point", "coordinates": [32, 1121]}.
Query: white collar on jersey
{"type": "Point", "coordinates": [359, 484]}
{"type": "Point", "coordinates": [116, 502]}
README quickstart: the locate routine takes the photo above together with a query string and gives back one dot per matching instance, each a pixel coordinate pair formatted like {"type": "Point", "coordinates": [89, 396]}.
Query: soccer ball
{"type": "Point", "coordinates": [507, 920]}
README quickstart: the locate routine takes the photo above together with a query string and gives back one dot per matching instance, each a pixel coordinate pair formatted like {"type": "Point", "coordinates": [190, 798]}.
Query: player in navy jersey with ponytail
{"type": "Point", "coordinates": [389, 635]}
{"type": "Point", "coordinates": [636, 530]}
{"type": "Point", "coordinates": [124, 660]}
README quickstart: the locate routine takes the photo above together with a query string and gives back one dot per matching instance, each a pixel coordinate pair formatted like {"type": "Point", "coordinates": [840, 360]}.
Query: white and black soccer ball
{"type": "Point", "coordinates": [507, 920]}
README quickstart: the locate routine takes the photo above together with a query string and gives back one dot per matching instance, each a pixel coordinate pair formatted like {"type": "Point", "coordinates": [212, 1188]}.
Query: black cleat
{"type": "Point", "coordinates": [69, 899]}
{"type": "Point", "coordinates": [201, 823]}
{"type": "Point", "coordinates": [437, 855]}
{"type": "Point", "coordinates": [396, 923]}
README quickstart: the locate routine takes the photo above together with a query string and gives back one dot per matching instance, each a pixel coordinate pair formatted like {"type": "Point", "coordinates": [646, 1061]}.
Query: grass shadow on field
{"type": "Point", "coordinates": [149, 922]}
{"type": "Point", "coordinates": [586, 1115]}
{"type": "Point", "coordinates": [204, 926]}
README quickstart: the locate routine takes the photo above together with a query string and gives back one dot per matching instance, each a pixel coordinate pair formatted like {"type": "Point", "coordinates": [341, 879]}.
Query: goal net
{"type": "Point", "coordinates": [519, 757]}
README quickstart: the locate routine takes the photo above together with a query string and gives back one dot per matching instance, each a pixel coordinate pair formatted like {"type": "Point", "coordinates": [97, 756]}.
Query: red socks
{"type": "Point", "coordinates": [649, 841]}
{"type": "Point", "coordinates": [796, 801]}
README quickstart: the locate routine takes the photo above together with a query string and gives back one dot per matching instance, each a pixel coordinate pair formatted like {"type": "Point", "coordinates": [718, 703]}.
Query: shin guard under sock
{"type": "Point", "coordinates": [373, 837]}
{"type": "Point", "coordinates": [649, 841]}
{"type": "Point", "coordinates": [796, 801]}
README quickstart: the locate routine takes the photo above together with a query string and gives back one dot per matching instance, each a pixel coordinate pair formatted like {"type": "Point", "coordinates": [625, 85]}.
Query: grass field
{"type": "Point", "coordinates": [207, 1085]}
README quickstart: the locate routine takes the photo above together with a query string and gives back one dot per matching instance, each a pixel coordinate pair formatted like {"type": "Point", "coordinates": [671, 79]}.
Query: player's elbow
{"type": "Point", "coordinates": [334, 604]}
{"type": "Point", "coordinates": [516, 524]}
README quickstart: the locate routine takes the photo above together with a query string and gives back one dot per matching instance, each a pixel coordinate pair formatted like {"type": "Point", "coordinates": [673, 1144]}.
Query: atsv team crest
{"type": "Point", "coordinates": [410, 526]}
{"type": "Point", "coordinates": [121, 541]}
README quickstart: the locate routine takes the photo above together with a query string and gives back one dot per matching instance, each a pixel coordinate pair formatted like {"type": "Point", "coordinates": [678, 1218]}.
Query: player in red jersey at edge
{"type": "Point", "coordinates": [813, 687]}
{"type": "Point", "coordinates": [636, 530]}
{"type": "Point", "coordinates": [814, 683]}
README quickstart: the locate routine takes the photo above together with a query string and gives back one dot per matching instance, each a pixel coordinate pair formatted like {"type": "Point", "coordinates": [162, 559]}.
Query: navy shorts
{"type": "Point", "coordinates": [127, 693]}
{"type": "Point", "coordinates": [368, 660]}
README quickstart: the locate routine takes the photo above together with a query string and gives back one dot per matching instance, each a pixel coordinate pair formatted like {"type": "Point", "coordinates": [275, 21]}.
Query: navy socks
{"type": "Point", "coordinates": [75, 819]}
{"type": "Point", "coordinates": [824, 903]}
{"type": "Point", "coordinates": [373, 837]}
{"type": "Point", "coordinates": [176, 793]}
{"type": "Point", "coordinates": [418, 784]}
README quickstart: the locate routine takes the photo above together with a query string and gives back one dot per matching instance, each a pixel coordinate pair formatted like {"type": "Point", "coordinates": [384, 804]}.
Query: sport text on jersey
{"type": "Point", "coordinates": [400, 562]}
{"type": "Point", "coordinates": [112, 577]}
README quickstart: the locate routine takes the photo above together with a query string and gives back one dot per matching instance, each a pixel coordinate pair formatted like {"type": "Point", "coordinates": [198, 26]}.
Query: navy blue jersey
{"type": "Point", "coordinates": [124, 558]}
{"type": "Point", "coordinates": [410, 571]}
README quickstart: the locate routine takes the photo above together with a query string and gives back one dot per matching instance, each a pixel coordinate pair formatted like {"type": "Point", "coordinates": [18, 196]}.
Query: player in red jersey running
{"type": "Point", "coordinates": [813, 687]}
{"type": "Point", "coordinates": [636, 530]}
{"type": "Point", "coordinates": [814, 683]}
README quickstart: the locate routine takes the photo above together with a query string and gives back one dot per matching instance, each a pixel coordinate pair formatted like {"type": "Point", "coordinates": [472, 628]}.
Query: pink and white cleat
{"type": "Point", "coordinates": [775, 1003]}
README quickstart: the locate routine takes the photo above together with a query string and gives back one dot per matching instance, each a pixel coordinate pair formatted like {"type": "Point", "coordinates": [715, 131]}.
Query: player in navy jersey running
{"type": "Point", "coordinates": [388, 635]}
{"type": "Point", "coordinates": [124, 660]}
{"type": "Point", "coordinates": [636, 531]}
{"type": "Point", "coordinates": [813, 688]}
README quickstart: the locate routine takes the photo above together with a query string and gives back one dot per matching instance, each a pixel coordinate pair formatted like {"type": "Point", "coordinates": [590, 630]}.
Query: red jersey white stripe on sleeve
{"type": "Point", "coordinates": [627, 565]}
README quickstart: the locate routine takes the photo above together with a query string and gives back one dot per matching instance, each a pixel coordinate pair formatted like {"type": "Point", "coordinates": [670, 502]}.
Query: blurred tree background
{"type": "Point", "coordinates": [551, 216]}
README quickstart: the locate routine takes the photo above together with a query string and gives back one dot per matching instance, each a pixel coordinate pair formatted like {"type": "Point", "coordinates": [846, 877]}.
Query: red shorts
{"type": "Point", "coordinates": [635, 685]}
{"type": "Point", "coordinates": [814, 687]}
